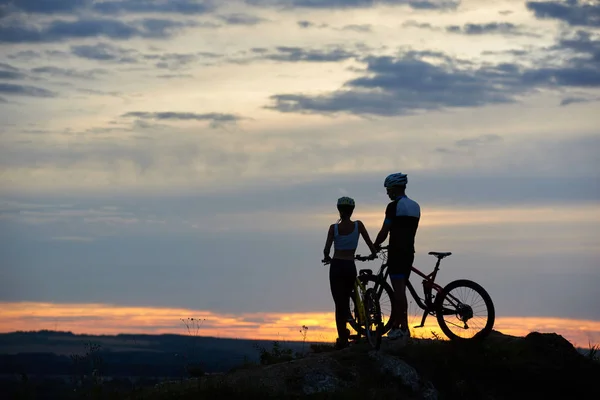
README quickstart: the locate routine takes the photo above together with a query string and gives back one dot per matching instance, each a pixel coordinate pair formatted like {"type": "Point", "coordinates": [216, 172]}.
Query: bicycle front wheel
{"type": "Point", "coordinates": [385, 300]}
{"type": "Point", "coordinates": [465, 311]}
{"type": "Point", "coordinates": [374, 326]}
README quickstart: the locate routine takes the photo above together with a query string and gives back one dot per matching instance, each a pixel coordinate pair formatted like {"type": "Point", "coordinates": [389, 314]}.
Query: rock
{"type": "Point", "coordinates": [318, 382]}
{"type": "Point", "coordinates": [408, 376]}
{"type": "Point", "coordinates": [397, 368]}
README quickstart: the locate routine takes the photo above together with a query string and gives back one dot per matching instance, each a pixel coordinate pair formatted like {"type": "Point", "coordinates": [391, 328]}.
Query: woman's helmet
{"type": "Point", "coordinates": [346, 201]}
{"type": "Point", "coordinates": [398, 179]}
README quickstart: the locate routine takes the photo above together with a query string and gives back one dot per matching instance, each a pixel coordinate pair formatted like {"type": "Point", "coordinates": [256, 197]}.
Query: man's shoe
{"type": "Point", "coordinates": [404, 334]}
{"type": "Point", "coordinates": [394, 333]}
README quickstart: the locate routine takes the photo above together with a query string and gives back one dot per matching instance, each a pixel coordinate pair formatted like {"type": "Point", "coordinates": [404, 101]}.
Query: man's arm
{"type": "Point", "coordinates": [328, 243]}
{"type": "Point", "coordinates": [383, 233]}
{"type": "Point", "coordinates": [365, 235]}
{"type": "Point", "coordinates": [390, 213]}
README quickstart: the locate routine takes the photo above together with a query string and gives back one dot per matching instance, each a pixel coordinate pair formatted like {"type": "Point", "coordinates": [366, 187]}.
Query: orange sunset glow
{"type": "Point", "coordinates": [113, 319]}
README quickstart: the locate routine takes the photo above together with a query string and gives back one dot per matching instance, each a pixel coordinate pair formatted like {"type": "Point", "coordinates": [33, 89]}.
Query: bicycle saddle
{"type": "Point", "coordinates": [440, 255]}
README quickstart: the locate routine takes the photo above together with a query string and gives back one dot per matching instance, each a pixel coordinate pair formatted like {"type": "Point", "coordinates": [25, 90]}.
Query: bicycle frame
{"type": "Point", "coordinates": [426, 304]}
{"type": "Point", "coordinates": [359, 290]}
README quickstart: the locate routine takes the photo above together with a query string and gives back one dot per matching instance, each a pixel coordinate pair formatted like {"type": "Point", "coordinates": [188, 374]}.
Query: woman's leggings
{"type": "Point", "coordinates": [342, 274]}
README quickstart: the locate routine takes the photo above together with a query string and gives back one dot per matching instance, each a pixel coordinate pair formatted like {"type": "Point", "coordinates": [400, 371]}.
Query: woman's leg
{"type": "Point", "coordinates": [341, 279]}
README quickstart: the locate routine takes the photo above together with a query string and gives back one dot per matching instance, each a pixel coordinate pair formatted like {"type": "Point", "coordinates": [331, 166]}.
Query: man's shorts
{"type": "Point", "coordinates": [399, 265]}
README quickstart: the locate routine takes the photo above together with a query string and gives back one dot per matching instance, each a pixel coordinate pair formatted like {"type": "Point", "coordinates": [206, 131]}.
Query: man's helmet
{"type": "Point", "coordinates": [345, 201]}
{"type": "Point", "coordinates": [398, 179]}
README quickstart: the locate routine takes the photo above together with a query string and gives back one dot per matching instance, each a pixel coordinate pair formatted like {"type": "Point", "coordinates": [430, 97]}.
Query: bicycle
{"type": "Point", "coordinates": [367, 313]}
{"type": "Point", "coordinates": [440, 304]}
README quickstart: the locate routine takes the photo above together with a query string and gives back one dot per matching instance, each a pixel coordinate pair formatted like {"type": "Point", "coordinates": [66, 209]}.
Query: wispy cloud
{"type": "Point", "coordinates": [327, 4]}
{"type": "Point", "coordinates": [501, 28]}
{"type": "Point", "coordinates": [25, 90]}
{"type": "Point", "coordinates": [110, 7]}
{"type": "Point", "coordinates": [61, 30]}
{"type": "Point", "coordinates": [216, 119]}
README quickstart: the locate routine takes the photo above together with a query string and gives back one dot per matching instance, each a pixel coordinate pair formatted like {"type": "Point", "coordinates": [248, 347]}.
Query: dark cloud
{"type": "Point", "coordinates": [582, 68]}
{"type": "Point", "coordinates": [327, 4]}
{"type": "Point", "coordinates": [155, 6]}
{"type": "Point", "coordinates": [105, 52]}
{"type": "Point", "coordinates": [59, 30]}
{"type": "Point", "coordinates": [216, 119]}
{"type": "Point", "coordinates": [396, 86]}
{"type": "Point", "coordinates": [309, 24]}
{"type": "Point", "coordinates": [172, 61]}
{"type": "Point", "coordinates": [8, 72]}
{"type": "Point", "coordinates": [241, 19]}
{"type": "Point", "coordinates": [573, 12]}
{"type": "Point", "coordinates": [503, 28]}
{"type": "Point", "coordinates": [417, 24]}
{"type": "Point", "coordinates": [69, 72]}
{"type": "Point", "coordinates": [574, 100]}
{"type": "Point", "coordinates": [413, 82]}
{"type": "Point", "coordinates": [29, 55]}
{"type": "Point", "coordinates": [25, 90]}
{"type": "Point", "coordinates": [295, 54]}
{"type": "Point", "coordinates": [46, 6]}
{"type": "Point", "coordinates": [109, 7]}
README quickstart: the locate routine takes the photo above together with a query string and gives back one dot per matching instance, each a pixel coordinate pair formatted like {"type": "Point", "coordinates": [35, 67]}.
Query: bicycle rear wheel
{"type": "Point", "coordinates": [374, 326]}
{"type": "Point", "coordinates": [385, 301]}
{"type": "Point", "coordinates": [465, 311]}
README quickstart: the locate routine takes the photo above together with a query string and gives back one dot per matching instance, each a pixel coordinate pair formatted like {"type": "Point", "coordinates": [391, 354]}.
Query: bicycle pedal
{"type": "Point", "coordinates": [418, 326]}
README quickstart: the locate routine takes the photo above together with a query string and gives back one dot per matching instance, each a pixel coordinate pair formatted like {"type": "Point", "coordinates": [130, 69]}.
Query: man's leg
{"type": "Point", "coordinates": [401, 318]}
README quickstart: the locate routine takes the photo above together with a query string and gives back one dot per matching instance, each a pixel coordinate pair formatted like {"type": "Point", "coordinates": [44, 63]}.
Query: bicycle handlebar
{"type": "Point", "coordinates": [356, 257]}
{"type": "Point", "coordinates": [361, 258]}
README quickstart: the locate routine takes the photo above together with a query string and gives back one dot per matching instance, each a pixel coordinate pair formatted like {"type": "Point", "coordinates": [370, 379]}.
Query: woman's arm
{"type": "Point", "coordinates": [328, 243]}
{"type": "Point", "coordinates": [365, 235]}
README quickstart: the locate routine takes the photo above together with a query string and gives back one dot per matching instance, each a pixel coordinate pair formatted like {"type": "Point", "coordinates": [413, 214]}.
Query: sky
{"type": "Point", "coordinates": [161, 160]}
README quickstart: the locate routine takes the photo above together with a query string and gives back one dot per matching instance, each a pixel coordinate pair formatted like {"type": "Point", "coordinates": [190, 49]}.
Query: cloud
{"type": "Point", "coordinates": [110, 7]}
{"type": "Point", "coordinates": [188, 7]}
{"type": "Point", "coordinates": [175, 76]}
{"type": "Point", "coordinates": [469, 144]}
{"type": "Point", "coordinates": [30, 55]}
{"type": "Point", "coordinates": [172, 61]}
{"type": "Point", "coordinates": [25, 90]}
{"type": "Point", "coordinates": [419, 81]}
{"type": "Point", "coordinates": [363, 28]}
{"type": "Point", "coordinates": [216, 119]}
{"type": "Point", "coordinates": [296, 54]}
{"type": "Point", "coordinates": [574, 100]}
{"type": "Point", "coordinates": [416, 24]}
{"type": "Point", "coordinates": [503, 28]}
{"type": "Point", "coordinates": [480, 140]}
{"type": "Point", "coordinates": [328, 4]}
{"type": "Point", "coordinates": [69, 72]}
{"type": "Point", "coordinates": [241, 19]}
{"type": "Point", "coordinates": [59, 30]}
{"type": "Point", "coordinates": [572, 12]}
{"type": "Point", "coordinates": [581, 68]}
{"type": "Point", "coordinates": [309, 24]}
{"type": "Point", "coordinates": [8, 72]}
{"type": "Point", "coordinates": [105, 52]}
{"type": "Point", "coordinates": [403, 85]}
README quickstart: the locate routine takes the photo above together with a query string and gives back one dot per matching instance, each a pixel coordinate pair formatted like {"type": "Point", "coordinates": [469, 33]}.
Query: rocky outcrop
{"type": "Point", "coordinates": [501, 367]}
